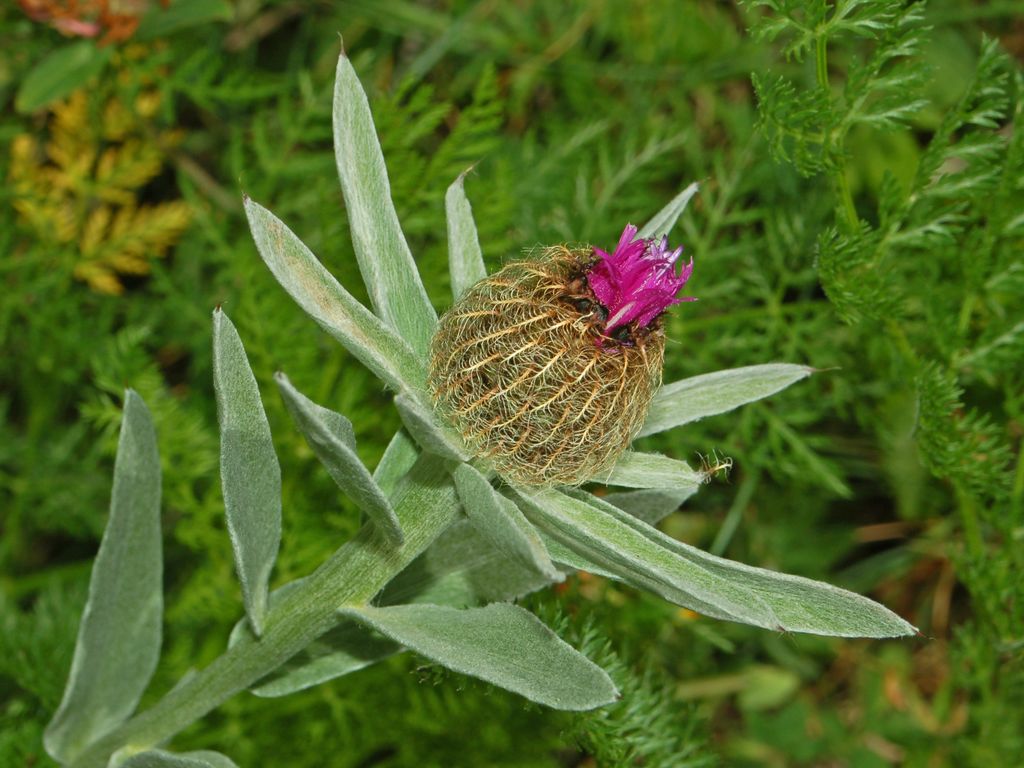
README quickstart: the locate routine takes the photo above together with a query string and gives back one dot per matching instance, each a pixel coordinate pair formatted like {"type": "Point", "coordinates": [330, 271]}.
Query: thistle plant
{"type": "Point", "coordinates": [532, 385]}
{"type": "Point", "coordinates": [548, 367]}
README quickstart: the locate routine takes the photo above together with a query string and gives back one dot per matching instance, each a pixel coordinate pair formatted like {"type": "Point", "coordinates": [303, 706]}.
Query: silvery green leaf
{"type": "Point", "coordinates": [465, 260]}
{"type": "Point", "coordinates": [502, 644]}
{"type": "Point", "coordinates": [370, 339]}
{"type": "Point", "coordinates": [569, 560]}
{"type": "Point", "coordinates": [663, 221]}
{"type": "Point", "coordinates": [643, 556]}
{"type": "Point", "coordinates": [332, 439]}
{"type": "Point", "coordinates": [424, 428]}
{"type": "Point", "coordinates": [462, 568]}
{"type": "Point", "coordinates": [501, 522]}
{"type": "Point", "coordinates": [398, 458]}
{"type": "Point", "coordinates": [583, 537]}
{"type": "Point", "coordinates": [158, 758]}
{"type": "Point", "coordinates": [338, 427]}
{"type": "Point", "coordinates": [250, 474]}
{"type": "Point", "coordinates": [426, 492]}
{"type": "Point", "coordinates": [346, 648]}
{"type": "Point", "coordinates": [573, 561]}
{"type": "Point", "coordinates": [384, 259]}
{"type": "Point", "coordinates": [652, 471]}
{"type": "Point", "coordinates": [691, 399]}
{"type": "Point", "coordinates": [650, 506]}
{"type": "Point", "coordinates": [119, 636]}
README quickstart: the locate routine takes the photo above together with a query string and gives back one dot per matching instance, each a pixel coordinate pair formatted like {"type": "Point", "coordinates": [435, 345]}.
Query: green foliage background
{"type": "Point", "coordinates": [862, 212]}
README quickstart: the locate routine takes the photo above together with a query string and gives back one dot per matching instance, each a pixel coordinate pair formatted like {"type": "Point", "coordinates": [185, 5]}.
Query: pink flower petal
{"type": "Point", "coordinates": [637, 282]}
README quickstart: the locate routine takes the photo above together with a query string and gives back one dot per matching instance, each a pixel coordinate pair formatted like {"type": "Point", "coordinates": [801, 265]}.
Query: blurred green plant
{"type": "Point", "coordinates": [579, 101]}
{"type": "Point", "coordinates": [926, 274]}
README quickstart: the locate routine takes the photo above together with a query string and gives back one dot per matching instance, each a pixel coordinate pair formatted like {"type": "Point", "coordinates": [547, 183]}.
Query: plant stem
{"type": "Point", "coordinates": [971, 526]}
{"type": "Point", "coordinates": [426, 505]}
{"type": "Point", "coordinates": [735, 514]}
{"type": "Point", "coordinates": [821, 60]}
{"type": "Point", "coordinates": [842, 184]}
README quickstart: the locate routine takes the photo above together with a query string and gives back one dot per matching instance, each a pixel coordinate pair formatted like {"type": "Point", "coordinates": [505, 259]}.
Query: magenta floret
{"type": "Point", "coordinates": [638, 281]}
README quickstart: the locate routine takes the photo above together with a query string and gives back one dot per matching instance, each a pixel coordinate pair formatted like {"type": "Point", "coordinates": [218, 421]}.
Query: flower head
{"type": "Point", "coordinates": [638, 281]}
{"type": "Point", "coordinates": [521, 367]}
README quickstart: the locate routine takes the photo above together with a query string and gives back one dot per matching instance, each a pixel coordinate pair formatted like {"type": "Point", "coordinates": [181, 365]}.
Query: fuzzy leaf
{"type": "Point", "coordinates": [692, 399]}
{"type": "Point", "coordinates": [314, 289]}
{"type": "Point", "coordinates": [663, 221]}
{"type": "Point", "coordinates": [465, 260]}
{"type": "Point", "coordinates": [384, 259]}
{"type": "Point", "coordinates": [650, 506]}
{"type": "Point", "coordinates": [250, 474]}
{"type": "Point", "coordinates": [346, 648]}
{"type": "Point", "coordinates": [338, 427]}
{"type": "Point", "coordinates": [641, 555]}
{"type": "Point", "coordinates": [330, 436]}
{"type": "Point", "coordinates": [501, 522]}
{"type": "Point", "coordinates": [119, 636]}
{"type": "Point", "coordinates": [424, 428]}
{"type": "Point", "coordinates": [652, 471]}
{"type": "Point", "coordinates": [501, 644]}
{"type": "Point", "coordinates": [426, 491]}
{"type": "Point", "coordinates": [158, 758]}
{"type": "Point", "coordinates": [462, 569]}
{"type": "Point", "coordinates": [398, 458]}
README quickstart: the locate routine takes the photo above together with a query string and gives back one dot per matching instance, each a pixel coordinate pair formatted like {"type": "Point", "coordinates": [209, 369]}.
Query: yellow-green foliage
{"type": "Point", "coordinates": [79, 187]}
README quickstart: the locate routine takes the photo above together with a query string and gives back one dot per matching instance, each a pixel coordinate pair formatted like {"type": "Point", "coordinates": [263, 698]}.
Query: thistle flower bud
{"type": "Point", "coordinates": [548, 366]}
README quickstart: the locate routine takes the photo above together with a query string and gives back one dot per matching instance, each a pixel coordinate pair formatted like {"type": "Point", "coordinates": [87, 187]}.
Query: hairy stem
{"type": "Point", "coordinates": [426, 505]}
{"type": "Point", "coordinates": [839, 179]}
